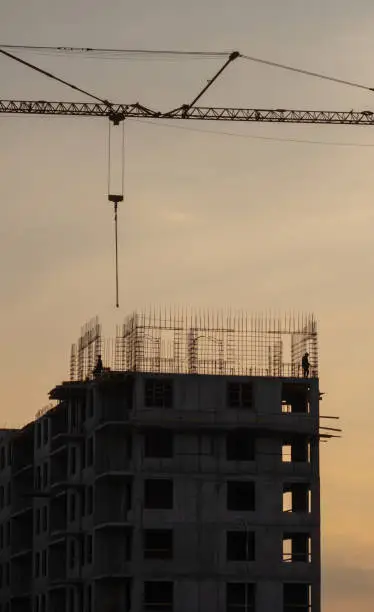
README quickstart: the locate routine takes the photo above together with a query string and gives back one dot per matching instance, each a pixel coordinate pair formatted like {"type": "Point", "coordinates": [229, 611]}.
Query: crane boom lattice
{"type": "Point", "coordinates": [119, 112]}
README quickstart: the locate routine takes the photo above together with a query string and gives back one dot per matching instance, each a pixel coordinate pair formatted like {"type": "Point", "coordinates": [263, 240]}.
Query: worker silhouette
{"type": "Point", "coordinates": [305, 365]}
{"type": "Point", "coordinates": [98, 367]}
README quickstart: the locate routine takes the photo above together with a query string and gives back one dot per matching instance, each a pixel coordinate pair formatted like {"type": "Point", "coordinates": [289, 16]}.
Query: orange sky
{"type": "Point", "coordinates": [209, 219]}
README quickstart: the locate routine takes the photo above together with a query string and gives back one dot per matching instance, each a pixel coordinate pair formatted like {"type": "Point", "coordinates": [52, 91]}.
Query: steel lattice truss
{"type": "Point", "coordinates": [119, 112]}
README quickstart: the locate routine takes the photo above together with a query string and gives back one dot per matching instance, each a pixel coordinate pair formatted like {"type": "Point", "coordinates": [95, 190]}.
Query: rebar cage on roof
{"type": "Point", "coordinates": [189, 342]}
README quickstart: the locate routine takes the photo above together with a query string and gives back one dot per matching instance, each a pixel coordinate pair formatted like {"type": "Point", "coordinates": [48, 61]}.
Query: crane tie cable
{"type": "Point", "coordinates": [54, 77]}
{"type": "Point", "coordinates": [118, 52]}
{"type": "Point", "coordinates": [161, 53]}
{"type": "Point", "coordinates": [306, 72]}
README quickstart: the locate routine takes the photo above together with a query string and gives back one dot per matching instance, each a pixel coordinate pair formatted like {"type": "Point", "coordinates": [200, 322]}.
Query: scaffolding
{"type": "Point", "coordinates": [85, 352]}
{"type": "Point", "coordinates": [188, 342]}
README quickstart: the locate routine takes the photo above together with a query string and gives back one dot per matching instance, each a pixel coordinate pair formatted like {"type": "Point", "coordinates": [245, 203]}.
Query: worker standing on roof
{"type": "Point", "coordinates": [305, 365]}
{"type": "Point", "coordinates": [98, 367]}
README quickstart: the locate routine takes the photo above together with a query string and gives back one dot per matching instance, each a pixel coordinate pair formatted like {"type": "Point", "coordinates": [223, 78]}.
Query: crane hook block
{"type": "Point", "coordinates": [115, 198]}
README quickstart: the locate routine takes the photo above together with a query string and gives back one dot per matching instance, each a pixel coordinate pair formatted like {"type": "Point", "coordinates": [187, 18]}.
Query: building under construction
{"type": "Point", "coordinates": [181, 476]}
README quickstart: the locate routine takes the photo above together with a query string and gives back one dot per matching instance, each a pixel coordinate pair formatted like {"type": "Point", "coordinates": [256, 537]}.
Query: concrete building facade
{"type": "Point", "coordinates": [164, 492]}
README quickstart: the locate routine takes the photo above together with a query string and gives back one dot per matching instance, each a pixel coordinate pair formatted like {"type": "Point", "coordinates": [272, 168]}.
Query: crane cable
{"type": "Point", "coordinates": [54, 77]}
{"type": "Point", "coordinates": [115, 199]}
{"type": "Point", "coordinates": [161, 53]}
{"type": "Point", "coordinates": [106, 53]}
{"type": "Point", "coordinates": [317, 75]}
{"type": "Point", "coordinates": [279, 139]}
{"type": "Point", "coordinates": [116, 250]}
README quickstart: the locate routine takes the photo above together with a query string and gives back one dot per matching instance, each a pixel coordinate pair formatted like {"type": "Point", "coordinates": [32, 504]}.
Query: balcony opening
{"type": "Point", "coordinates": [82, 454]}
{"type": "Point", "coordinates": [295, 398]}
{"type": "Point", "coordinates": [158, 494]}
{"type": "Point", "coordinates": [286, 453]}
{"type": "Point", "coordinates": [88, 597]}
{"type": "Point", "coordinates": [2, 458]}
{"type": "Point", "coordinates": [158, 393]}
{"type": "Point", "coordinates": [128, 496]}
{"type": "Point", "coordinates": [158, 596]}
{"type": "Point", "coordinates": [128, 545]}
{"type": "Point", "coordinates": [37, 565]}
{"type": "Point", "coordinates": [89, 500]}
{"type": "Point", "coordinates": [296, 450]}
{"type": "Point", "coordinates": [89, 548]}
{"type": "Point", "coordinates": [241, 495]}
{"type": "Point", "coordinates": [58, 514]}
{"type": "Point", "coordinates": [128, 447]}
{"type": "Point", "coordinates": [240, 445]}
{"type": "Point", "coordinates": [158, 544]}
{"type": "Point", "coordinates": [159, 443]}
{"type": "Point", "coordinates": [297, 497]}
{"type": "Point", "coordinates": [45, 518]}
{"type": "Point", "coordinates": [44, 563]}
{"type": "Point", "coordinates": [45, 478]}
{"type": "Point", "coordinates": [90, 451]}
{"type": "Point", "coordinates": [240, 395]}
{"type": "Point", "coordinates": [240, 546]}
{"type": "Point", "coordinates": [72, 554]}
{"type": "Point", "coordinates": [240, 597]}
{"type": "Point", "coordinates": [72, 507]}
{"type": "Point", "coordinates": [37, 521]}
{"type": "Point", "coordinates": [73, 460]}
{"type": "Point", "coordinates": [43, 603]}
{"type": "Point", "coordinates": [38, 478]}
{"type": "Point", "coordinates": [296, 597]}
{"type": "Point", "coordinates": [71, 600]}
{"type": "Point", "coordinates": [297, 548]}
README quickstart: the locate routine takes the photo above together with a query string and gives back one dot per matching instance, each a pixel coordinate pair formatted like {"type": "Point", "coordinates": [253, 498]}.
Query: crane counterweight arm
{"type": "Point", "coordinates": [120, 112]}
{"type": "Point", "coordinates": [116, 112]}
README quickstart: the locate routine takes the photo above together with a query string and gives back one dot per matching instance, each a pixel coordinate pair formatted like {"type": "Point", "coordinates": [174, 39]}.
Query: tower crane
{"type": "Point", "coordinates": [117, 113]}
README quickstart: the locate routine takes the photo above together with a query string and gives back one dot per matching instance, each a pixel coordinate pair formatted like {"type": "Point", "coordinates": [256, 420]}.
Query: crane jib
{"type": "Point", "coordinates": [119, 112]}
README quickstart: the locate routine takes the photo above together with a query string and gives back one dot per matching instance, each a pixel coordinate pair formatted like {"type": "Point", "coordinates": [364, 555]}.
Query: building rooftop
{"type": "Point", "coordinates": [188, 342]}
